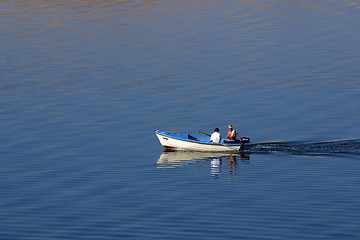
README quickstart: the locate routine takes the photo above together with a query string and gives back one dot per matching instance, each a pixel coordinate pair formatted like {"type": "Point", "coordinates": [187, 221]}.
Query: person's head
{"type": "Point", "coordinates": [230, 127]}
{"type": "Point", "coordinates": [216, 130]}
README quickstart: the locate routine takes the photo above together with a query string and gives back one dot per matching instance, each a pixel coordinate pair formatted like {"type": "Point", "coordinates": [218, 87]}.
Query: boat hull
{"type": "Point", "coordinates": [176, 141]}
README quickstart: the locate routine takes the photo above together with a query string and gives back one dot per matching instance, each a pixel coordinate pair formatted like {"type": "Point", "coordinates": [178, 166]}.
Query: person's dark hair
{"type": "Point", "coordinates": [216, 130]}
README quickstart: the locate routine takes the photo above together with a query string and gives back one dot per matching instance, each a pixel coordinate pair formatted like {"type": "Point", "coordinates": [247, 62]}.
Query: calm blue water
{"type": "Point", "coordinates": [84, 85]}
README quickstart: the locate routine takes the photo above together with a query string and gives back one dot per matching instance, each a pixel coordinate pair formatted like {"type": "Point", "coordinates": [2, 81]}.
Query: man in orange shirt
{"type": "Point", "coordinates": [231, 134]}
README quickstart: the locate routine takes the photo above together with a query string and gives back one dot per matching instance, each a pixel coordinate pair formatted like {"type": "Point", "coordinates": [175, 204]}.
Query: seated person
{"type": "Point", "coordinates": [231, 136]}
{"type": "Point", "coordinates": [215, 137]}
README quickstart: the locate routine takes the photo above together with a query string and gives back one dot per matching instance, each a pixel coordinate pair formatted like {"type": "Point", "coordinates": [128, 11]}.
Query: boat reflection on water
{"type": "Point", "coordinates": [216, 160]}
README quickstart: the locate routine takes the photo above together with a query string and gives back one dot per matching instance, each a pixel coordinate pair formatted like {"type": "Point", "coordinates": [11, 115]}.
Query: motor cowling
{"type": "Point", "coordinates": [245, 140]}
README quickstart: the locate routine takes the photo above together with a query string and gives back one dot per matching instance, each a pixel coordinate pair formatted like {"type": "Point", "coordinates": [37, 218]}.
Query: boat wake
{"type": "Point", "coordinates": [338, 147]}
{"type": "Point", "coordinates": [348, 147]}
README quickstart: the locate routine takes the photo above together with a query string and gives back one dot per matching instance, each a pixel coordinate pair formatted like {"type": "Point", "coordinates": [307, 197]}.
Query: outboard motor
{"type": "Point", "coordinates": [244, 140]}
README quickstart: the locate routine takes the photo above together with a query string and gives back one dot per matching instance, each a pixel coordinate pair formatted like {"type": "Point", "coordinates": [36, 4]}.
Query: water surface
{"type": "Point", "coordinates": [84, 85]}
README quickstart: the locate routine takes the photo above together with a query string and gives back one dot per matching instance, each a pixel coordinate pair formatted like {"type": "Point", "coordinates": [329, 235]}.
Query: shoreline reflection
{"type": "Point", "coordinates": [174, 159]}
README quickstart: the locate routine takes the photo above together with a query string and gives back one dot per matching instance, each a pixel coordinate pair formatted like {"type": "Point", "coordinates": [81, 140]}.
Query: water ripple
{"type": "Point", "coordinates": [81, 80]}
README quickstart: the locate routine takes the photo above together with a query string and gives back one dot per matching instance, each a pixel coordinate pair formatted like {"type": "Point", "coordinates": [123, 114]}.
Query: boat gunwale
{"type": "Point", "coordinates": [198, 142]}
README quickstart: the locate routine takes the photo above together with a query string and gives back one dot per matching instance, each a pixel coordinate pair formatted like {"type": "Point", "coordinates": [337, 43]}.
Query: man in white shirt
{"type": "Point", "coordinates": [215, 137]}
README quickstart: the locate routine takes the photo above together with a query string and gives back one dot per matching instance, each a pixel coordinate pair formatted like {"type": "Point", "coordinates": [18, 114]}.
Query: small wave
{"type": "Point", "coordinates": [327, 147]}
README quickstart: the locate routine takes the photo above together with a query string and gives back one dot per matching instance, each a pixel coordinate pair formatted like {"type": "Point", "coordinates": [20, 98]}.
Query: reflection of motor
{"type": "Point", "coordinates": [244, 157]}
{"type": "Point", "coordinates": [244, 140]}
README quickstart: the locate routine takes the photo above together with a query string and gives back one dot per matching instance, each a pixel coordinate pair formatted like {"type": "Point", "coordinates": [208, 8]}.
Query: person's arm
{"type": "Point", "coordinates": [233, 134]}
{"type": "Point", "coordinates": [228, 136]}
